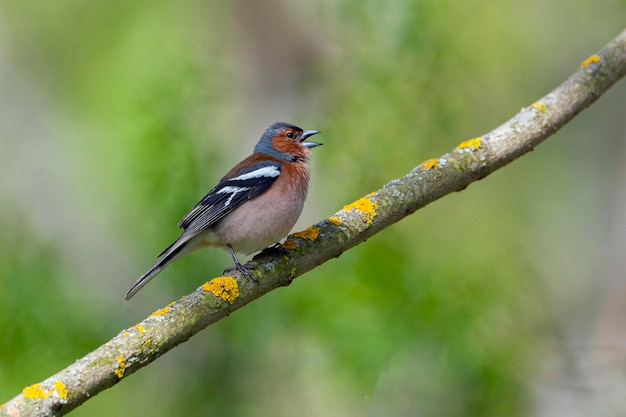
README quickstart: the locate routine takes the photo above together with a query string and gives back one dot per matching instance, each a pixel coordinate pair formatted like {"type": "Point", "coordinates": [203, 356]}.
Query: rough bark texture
{"type": "Point", "coordinates": [471, 161]}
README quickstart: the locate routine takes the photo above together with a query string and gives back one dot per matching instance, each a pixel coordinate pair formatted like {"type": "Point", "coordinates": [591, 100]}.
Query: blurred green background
{"type": "Point", "coordinates": [504, 299]}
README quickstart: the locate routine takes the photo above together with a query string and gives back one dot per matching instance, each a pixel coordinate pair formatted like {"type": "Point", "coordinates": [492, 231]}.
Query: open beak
{"type": "Point", "coordinates": [309, 133]}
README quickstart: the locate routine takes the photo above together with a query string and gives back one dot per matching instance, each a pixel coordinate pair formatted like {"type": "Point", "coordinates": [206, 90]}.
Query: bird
{"type": "Point", "coordinates": [253, 206]}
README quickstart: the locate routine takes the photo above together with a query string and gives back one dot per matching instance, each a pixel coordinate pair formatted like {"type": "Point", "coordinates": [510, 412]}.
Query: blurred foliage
{"type": "Point", "coordinates": [116, 117]}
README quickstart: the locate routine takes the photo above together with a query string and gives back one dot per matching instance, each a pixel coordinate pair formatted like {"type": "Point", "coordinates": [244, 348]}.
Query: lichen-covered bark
{"type": "Point", "coordinates": [472, 160]}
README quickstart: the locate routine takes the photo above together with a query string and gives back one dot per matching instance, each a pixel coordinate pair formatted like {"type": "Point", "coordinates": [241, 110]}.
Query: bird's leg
{"type": "Point", "coordinates": [238, 266]}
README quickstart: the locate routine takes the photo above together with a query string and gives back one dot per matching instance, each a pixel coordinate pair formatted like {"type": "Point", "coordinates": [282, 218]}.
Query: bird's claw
{"type": "Point", "coordinates": [245, 271]}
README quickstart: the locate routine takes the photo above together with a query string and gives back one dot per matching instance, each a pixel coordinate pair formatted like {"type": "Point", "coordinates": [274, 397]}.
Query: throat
{"type": "Point", "coordinates": [298, 158]}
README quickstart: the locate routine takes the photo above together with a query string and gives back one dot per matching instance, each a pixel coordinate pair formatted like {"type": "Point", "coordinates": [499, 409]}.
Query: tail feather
{"type": "Point", "coordinates": [166, 257]}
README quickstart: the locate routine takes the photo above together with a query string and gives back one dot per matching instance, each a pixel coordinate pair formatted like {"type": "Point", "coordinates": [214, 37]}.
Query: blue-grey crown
{"type": "Point", "coordinates": [265, 145]}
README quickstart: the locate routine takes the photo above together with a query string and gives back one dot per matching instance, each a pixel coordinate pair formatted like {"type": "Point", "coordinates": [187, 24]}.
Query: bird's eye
{"type": "Point", "coordinates": [290, 135]}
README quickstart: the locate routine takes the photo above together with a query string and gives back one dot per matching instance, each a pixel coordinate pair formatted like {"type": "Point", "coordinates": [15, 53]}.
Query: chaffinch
{"type": "Point", "coordinates": [256, 203]}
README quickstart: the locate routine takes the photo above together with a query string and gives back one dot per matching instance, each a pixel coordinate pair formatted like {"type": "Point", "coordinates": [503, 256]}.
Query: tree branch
{"type": "Point", "coordinates": [471, 161]}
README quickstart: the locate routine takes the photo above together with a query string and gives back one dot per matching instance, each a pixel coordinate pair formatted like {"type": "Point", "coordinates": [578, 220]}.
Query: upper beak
{"type": "Point", "coordinates": [309, 133]}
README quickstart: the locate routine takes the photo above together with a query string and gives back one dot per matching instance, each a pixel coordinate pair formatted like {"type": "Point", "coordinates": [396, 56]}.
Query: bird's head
{"type": "Point", "coordinates": [286, 142]}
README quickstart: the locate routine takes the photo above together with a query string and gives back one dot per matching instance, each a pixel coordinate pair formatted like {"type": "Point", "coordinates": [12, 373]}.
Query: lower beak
{"type": "Point", "coordinates": [307, 134]}
{"type": "Point", "coordinates": [311, 144]}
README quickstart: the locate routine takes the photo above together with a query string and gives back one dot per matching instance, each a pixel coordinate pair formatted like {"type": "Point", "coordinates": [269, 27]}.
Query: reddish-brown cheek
{"type": "Point", "coordinates": [286, 145]}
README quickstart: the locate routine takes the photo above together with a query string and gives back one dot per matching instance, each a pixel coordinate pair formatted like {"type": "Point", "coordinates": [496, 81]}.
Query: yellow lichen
{"type": "Point", "coordinates": [289, 244]}
{"type": "Point", "coordinates": [224, 287]}
{"type": "Point", "coordinates": [539, 105]}
{"type": "Point", "coordinates": [139, 327]}
{"type": "Point", "coordinates": [430, 164]}
{"type": "Point", "coordinates": [592, 59]}
{"type": "Point", "coordinates": [125, 334]}
{"type": "Point", "coordinates": [61, 389]}
{"type": "Point", "coordinates": [310, 233]}
{"type": "Point", "coordinates": [335, 220]}
{"type": "Point", "coordinates": [161, 312]}
{"type": "Point", "coordinates": [121, 367]}
{"type": "Point", "coordinates": [365, 206]}
{"type": "Point", "coordinates": [35, 391]}
{"type": "Point", "coordinates": [472, 143]}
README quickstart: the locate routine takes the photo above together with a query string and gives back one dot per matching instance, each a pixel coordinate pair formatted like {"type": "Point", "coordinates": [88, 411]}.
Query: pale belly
{"type": "Point", "coordinates": [259, 223]}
